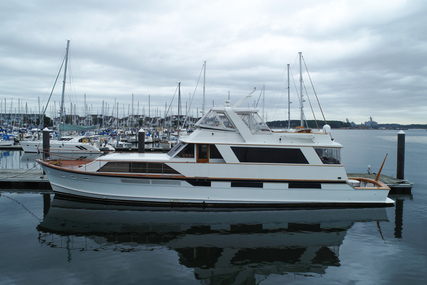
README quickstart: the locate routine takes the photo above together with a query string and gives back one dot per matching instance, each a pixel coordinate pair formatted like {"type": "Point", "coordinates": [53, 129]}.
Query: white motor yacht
{"type": "Point", "coordinates": [232, 159]}
{"type": "Point", "coordinates": [67, 145]}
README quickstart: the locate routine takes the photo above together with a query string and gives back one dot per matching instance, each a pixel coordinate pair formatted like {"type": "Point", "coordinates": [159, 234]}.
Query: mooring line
{"type": "Point", "coordinates": [13, 199]}
{"type": "Point", "coordinates": [19, 174]}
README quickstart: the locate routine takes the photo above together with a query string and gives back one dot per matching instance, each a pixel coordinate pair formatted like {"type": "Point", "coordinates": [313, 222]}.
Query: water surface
{"type": "Point", "coordinates": [49, 239]}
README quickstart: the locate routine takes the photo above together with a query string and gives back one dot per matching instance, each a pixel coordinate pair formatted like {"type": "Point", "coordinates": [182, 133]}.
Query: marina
{"type": "Point", "coordinates": [190, 246]}
{"type": "Point", "coordinates": [189, 143]}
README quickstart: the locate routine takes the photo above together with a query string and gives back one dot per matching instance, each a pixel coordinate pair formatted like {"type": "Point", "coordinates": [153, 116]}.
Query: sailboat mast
{"type": "Point", "coordinates": [289, 102]}
{"type": "Point", "coordinates": [204, 84]}
{"type": "Point", "coordinates": [179, 104]}
{"type": "Point", "coordinates": [263, 104]}
{"type": "Point", "coordinates": [301, 96]}
{"type": "Point", "coordinates": [63, 84]}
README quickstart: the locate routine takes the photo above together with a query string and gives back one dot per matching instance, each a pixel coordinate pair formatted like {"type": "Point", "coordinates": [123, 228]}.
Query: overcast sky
{"type": "Point", "coordinates": [365, 58]}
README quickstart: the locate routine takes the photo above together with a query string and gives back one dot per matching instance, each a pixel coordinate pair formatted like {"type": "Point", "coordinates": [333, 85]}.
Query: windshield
{"type": "Point", "coordinates": [172, 152]}
{"type": "Point", "coordinates": [217, 120]}
{"type": "Point", "coordinates": [254, 122]}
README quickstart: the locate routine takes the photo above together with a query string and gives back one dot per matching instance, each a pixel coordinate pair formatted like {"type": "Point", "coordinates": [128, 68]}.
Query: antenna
{"type": "Point", "coordinates": [244, 98]}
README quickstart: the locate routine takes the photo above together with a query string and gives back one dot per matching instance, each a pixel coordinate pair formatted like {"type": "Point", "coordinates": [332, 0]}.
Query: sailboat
{"type": "Point", "coordinates": [66, 145]}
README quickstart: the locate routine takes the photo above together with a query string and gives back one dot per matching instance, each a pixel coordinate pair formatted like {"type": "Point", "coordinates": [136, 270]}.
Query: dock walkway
{"type": "Point", "coordinates": [23, 179]}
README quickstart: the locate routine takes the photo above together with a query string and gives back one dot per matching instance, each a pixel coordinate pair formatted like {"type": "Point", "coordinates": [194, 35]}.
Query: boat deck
{"type": "Point", "coordinates": [397, 186]}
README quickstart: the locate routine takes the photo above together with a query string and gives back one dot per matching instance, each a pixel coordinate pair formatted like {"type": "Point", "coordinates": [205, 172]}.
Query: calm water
{"type": "Point", "coordinates": [49, 240]}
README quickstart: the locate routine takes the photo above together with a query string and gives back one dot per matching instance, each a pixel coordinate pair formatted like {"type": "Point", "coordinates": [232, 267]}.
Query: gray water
{"type": "Point", "coordinates": [52, 240]}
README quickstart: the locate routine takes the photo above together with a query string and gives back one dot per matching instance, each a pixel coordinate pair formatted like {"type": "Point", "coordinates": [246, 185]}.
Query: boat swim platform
{"type": "Point", "coordinates": [397, 186]}
{"type": "Point", "coordinates": [35, 179]}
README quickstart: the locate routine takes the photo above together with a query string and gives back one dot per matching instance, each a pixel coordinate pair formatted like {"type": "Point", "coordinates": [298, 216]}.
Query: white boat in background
{"type": "Point", "coordinates": [67, 145]}
{"type": "Point", "coordinates": [6, 140]}
{"type": "Point", "coordinates": [5, 143]}
{"type": "Point", "coordinates": [232, 159]}
{"type": "Point", "coordinates": [120, 144]}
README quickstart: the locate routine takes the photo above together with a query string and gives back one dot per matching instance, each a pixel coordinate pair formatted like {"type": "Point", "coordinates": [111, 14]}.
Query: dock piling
{"type": "Point", "coordinates": [46, 143]}
{"type": "Point", "coordinates": [141, 141]}
{"type": "Point", "coordinates": [400, 170]}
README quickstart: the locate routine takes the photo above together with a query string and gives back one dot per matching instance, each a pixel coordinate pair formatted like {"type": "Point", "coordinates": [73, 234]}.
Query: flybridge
{"type": "Point", "coordinates": [222, 119]}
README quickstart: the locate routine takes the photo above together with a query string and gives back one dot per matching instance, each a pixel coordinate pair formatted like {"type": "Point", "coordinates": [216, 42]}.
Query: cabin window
{"type": "Point", "coordinates": [137, 167]}
{"type": "Point", "coordinates": [203, 151]}
{"type": "Point", "coordinates": [214, 153]}
{"type": "Point", "coordinates": [269, 155]}
{"type": "Point", "coordinates": [175, 149]}
{"type": "Point", "coordinates": [187, 151]}
{"type": "Point", "coordinates": [329, 155]}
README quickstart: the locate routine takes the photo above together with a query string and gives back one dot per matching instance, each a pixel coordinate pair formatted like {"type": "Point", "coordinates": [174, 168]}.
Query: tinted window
{"type": "Point", "coordinates": [214, 153]}
{"type": "Point", "coordinates": [203, 151]}
{"type": "Point", "coordinates": [269, 155]}
{"type": "Point", "coordinates": [188, 151]}
{"type": "Point", "coordinates": [137, 167]}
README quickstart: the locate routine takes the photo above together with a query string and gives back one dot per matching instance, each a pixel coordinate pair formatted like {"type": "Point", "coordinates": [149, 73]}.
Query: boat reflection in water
{"type": "Point", "coordinates": [217, 245]}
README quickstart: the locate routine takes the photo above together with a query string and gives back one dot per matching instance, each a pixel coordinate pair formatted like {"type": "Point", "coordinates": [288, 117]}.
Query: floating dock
{"type": "Point", "coordinates": [35, 179]}
{"type": "Point", "coordinates": [24, 179]}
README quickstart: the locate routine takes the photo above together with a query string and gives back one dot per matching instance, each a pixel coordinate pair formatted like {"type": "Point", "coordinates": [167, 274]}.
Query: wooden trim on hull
{"type": "Point", "coordinates": [379, 184]}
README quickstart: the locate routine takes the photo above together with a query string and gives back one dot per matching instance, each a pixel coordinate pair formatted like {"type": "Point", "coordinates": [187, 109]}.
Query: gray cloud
{"type": "Point", "coordinates": [366, 58]}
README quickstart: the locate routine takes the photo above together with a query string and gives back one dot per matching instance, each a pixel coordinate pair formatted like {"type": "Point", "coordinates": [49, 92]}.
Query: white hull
{"type": "Point", "coordinates": [59, 147]}
{"type": "Point", "coordinates": [6, 143]}
{"type": "Point", "coordinates": [219, 193]}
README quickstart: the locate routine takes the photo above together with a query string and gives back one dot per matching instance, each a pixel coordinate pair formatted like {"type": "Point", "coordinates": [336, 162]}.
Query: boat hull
{"type": "Point", "coordinates": [6, 143]}
{"type": "Point", "coordinates": [210, 192]}
{"type": "Point", "coordinates": [60, 147]}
